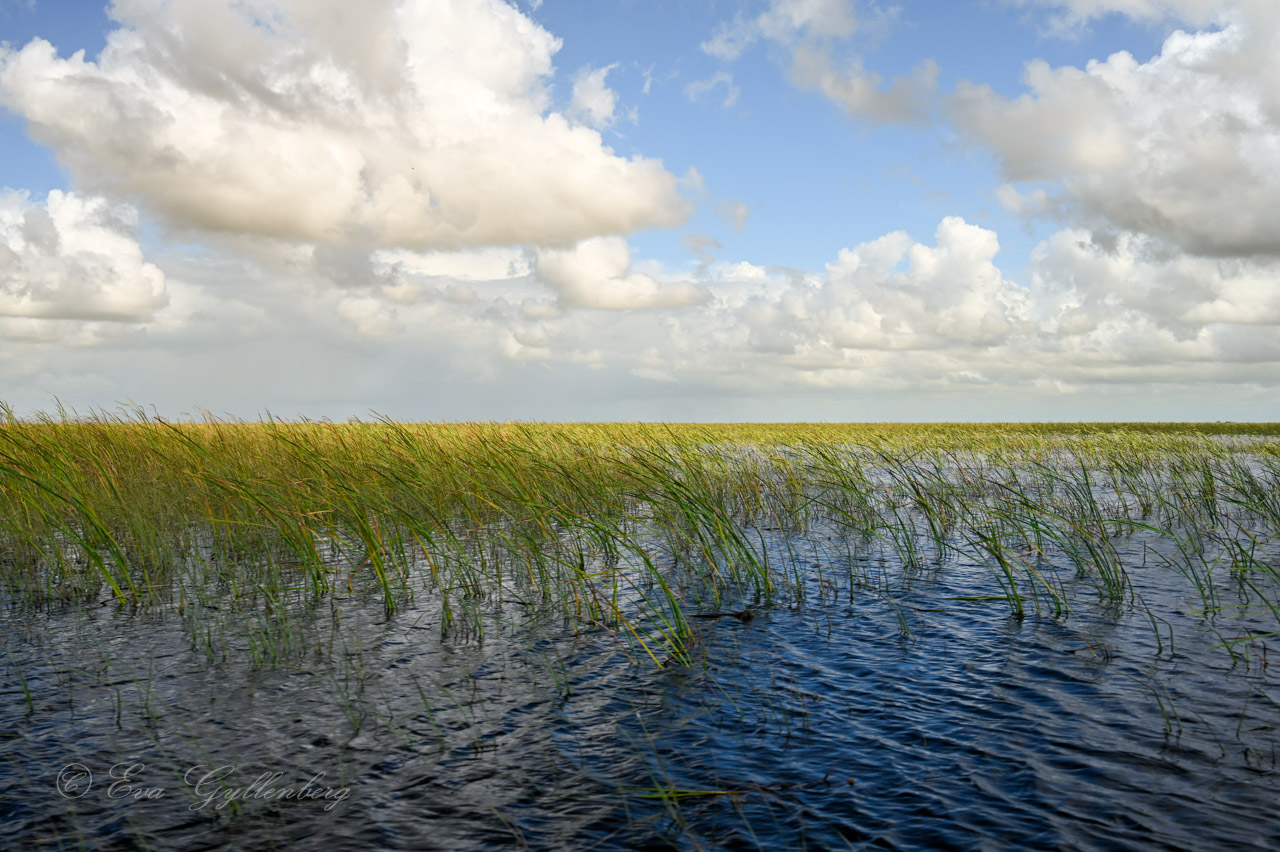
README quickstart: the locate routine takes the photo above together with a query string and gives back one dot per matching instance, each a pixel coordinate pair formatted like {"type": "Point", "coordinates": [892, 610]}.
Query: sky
{"type": "Point", "coordinates": [669, 210]}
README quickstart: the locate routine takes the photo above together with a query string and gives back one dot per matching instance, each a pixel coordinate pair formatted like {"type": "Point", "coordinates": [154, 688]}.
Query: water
{"type": "Point", "coordinates": [877, 711]}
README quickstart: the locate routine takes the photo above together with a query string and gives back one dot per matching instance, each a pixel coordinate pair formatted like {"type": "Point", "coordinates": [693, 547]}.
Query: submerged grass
{"type": "Point", "coordinates": [635, 528]}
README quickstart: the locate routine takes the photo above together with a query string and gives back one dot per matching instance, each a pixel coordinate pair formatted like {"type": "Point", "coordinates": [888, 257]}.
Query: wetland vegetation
{"type": "Point", "coordinates": [755, 635]}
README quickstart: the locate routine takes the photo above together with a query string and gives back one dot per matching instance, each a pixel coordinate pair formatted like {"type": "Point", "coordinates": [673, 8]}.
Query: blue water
{"type": "Point", "coordinates": [876, 712]}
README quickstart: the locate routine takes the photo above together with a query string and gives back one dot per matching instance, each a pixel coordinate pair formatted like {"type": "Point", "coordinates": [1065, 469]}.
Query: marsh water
{"type": "Point", "coordinates": [878, 708]}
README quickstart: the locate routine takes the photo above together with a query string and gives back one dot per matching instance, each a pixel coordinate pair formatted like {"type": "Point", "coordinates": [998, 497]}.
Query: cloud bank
{"type": "Point", "coordinates": [74, 257]}
{"type": "Point", "coordinates": [597, 274]}
{"type": "Point", "coordinates": [417, 124]}
{"type": "Point", "coordinates": [1184, 147]}
{"type": "Point", "coordinates": [399, 212]}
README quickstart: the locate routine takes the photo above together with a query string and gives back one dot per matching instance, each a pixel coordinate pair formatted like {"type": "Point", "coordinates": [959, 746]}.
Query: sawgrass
{"type": "Point", "coordinates": [631, 527]}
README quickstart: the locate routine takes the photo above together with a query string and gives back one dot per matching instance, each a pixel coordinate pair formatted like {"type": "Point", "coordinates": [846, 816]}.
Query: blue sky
{"type": "Point", "coordinates": [671, 210]}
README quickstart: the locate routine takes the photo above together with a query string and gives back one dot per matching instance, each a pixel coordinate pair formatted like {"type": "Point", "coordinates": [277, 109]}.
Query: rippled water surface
{"type": "Point", "coordinates": [886, 709]}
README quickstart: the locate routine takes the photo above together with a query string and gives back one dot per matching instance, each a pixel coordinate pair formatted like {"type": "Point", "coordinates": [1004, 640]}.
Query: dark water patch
{"type": "Point", "coordinates": [878, 708]}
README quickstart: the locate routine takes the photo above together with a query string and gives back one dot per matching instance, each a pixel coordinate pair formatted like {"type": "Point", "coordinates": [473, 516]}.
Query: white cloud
{"type": "Point", "coordinates": [593, 101]}
{"type": "Point", "coordinates": [783, 21]}
{"type": "Point", "coordinates": [902, 320]}
{"type": "Point", "coordinates": [371, 316]}
{"type": "Point", "coordinates": [699, 89]}
{"type": "Point", "coordinates": [895, 294]}
{"type": "Point", "coordinates": [898, 314]}
{"type": "Point", "coordinates": [1185, 147]}
{"type": "Point", "coordinates": [494, 269]}
{"type": "Point", "coordinates": [863, 93]}
{"type": "Point", "coordinates": [74, 257]}
{"type": "Point", "coordinates": [1075, 13]}
{"type": "Point", "coordinates": [417, 124]}
{"type": "Point", "coordinates": [810, 31]}
{"type": "Point", "coordinates": [597, 274]}
{"type": "Point", "coordinates": [488, 264]}
{"type": "Point", "coordinates": [1034, 202]}
{"type": "Point", "coordinates": [1133, 280]}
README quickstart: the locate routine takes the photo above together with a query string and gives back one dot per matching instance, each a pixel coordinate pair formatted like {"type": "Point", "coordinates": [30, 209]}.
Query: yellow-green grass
{"type": "Point", "coordinates": [633, 527]}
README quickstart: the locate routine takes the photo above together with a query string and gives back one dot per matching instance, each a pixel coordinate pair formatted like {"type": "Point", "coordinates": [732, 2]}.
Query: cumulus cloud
{"type": "Point", "coordinates": [425, 131]}
{"type": "Point", "coordinates": [593, 101]}
{"type": "Point", "coordinates": [1185, 147]}
{"type": "Point", "coordinates": [890, 313]}
{"type": "Point", "coordinates": [488, 264]}
{"type": "Point", "coordinates": [74, 257]}
{"type": "Point", "coordinates": [810, 32]}
{"type": "Point", "coordinates": [370, 316]}
{"type": "Point", "coordinates": [901, 317]}
{"type": "Point", "coordinates": [1085, 285]}
{"type": "Point", "coordinates": [420, 124]}
{"type": "Point", "coordinates": [597, 274]}
{"type": "Point", "coordinates": [1032, 203]}
{"type": "Point", "coordinates": [896, 294]}
{"type": "Point", "coordinates": [893, 313]}
{"type": "Point", "coordinates": [897, 313]}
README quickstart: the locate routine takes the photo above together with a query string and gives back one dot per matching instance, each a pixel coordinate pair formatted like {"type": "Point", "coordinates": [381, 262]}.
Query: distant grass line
{"type": "Point", "coordinates": [631, 526]}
